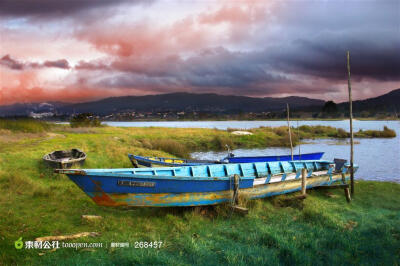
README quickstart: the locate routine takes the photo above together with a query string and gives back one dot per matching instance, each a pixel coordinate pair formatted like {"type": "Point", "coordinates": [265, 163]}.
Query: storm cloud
{"type": "Point", "coordinates": [255, 48]}
{"type": "Point", "coordinates": [51, 8]}
{"type": "Point", "coordinates": [15, 64]}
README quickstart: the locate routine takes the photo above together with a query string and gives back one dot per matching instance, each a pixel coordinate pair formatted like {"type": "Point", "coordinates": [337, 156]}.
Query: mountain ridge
{"type": "Point", "coordinates": [202, 102]}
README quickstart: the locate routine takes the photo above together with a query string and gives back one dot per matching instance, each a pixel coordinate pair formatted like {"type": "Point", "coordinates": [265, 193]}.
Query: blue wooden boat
{"type": "Point", "coordinates": [275, 158]}
{"type": "Point", "coordinates": [150, 161]}
{"type": "Point", "coordinates": [200, 185]}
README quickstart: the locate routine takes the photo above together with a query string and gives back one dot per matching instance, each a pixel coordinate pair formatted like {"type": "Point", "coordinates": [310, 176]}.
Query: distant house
{"type": "Point", "coordinates": [40, 115]}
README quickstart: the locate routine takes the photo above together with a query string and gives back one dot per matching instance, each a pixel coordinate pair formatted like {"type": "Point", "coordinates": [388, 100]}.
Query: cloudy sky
{"type": "Point", "coordinates": [80, 50]}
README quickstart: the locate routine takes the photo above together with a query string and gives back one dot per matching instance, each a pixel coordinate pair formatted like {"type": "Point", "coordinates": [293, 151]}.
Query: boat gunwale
{"type": "Point", "coordinates": [130, 172]}
{"type": "Point", "coordinates": [161, 177]}
{"type": "Point", "coordinates": [115, 170]}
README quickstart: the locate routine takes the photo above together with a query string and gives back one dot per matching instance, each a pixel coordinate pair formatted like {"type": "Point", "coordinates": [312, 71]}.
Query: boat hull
{"type": "Point", "coordinates": [200, 185]}
{"type": "Point", "coordinates": [276, 158]}
{"type": "Point", "coordinates": [65, 158]}
{"type": "Point", "coordinates": [208, 197]}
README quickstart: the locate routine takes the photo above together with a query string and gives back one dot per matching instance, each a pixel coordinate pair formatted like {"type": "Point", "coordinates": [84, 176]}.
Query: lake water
{"type": "Point", "coordinates": [254, 124]}
{"type": "Point", "coordinates": [378, 159]}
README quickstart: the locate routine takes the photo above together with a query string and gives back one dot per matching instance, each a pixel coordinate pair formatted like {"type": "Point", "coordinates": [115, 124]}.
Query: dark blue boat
{"type": "Point", "coordinates": [275, 158]}
{"type": "Point", "coordinates": [150, 161]}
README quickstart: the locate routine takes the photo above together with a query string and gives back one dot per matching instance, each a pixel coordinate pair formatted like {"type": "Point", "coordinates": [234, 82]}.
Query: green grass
{"type": "Point", "coordinates": [323, 229]}
{"type": "Point", "coordinates": [25, 125]}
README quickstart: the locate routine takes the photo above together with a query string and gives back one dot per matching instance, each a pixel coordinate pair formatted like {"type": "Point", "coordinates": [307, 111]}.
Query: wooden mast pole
{"type": "Point", "coordinates": [351, 127]}
{"type": "Point", "coordinates": [290, 133]}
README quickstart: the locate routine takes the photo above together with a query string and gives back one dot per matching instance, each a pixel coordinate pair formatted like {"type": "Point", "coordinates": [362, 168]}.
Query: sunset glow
{"type": "Point", "coordinates": [77, 51]}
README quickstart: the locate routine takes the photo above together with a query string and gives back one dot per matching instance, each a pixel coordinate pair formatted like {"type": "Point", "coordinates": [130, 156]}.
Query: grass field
{"type": "Point", "coordinates": [323, 229]}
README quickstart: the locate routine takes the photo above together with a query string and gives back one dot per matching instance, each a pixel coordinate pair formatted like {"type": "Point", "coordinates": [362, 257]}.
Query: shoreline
{"type": "Point", "coordinates": [230, 120]}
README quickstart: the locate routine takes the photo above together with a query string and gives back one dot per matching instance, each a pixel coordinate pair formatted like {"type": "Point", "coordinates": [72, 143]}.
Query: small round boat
{"type": "Point", "coordinates": [65, 159]}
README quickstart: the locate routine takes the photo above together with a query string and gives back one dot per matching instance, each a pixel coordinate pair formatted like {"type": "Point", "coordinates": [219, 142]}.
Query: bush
{"type": "Point", "coordinates": [341, 133]}
{"type": "Point", "coordinates": [281, 131]}
{"type": "Point", "coordinates": [388, 133]}
{"type": "Point", "coordinates": [85, 120]}
{"type": "Point", "coordinates": [306, 128]}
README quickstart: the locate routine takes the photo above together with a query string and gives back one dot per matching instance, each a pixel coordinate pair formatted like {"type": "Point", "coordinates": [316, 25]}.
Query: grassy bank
{"type": "Point", "coordinates": [323, 229]}
{"type": "Point", "coordinates": [173, 141]}
{"type": "Point", "coordinates": [24, 125]}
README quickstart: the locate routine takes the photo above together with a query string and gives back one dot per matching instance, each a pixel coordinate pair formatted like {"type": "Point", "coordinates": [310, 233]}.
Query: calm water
{"type": "Point", "coordinates": [378, 159]}
{"type": "Point", "coordinates": [254, 124]}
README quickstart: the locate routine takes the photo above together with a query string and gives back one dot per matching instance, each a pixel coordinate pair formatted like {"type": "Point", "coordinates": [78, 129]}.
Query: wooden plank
{"type": "Point", "coordinates": [240, 210]}
{"type": "Point", "coordinates": [91, 217]}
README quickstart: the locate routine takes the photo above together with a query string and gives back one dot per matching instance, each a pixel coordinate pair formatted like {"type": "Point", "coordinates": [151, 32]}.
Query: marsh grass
{"type": "Point", "coordinates": [170, 146]}
{"type": "Point", "coordinates": [385, 133]}
{"type": "Point", "coordinates": [25, 125]}
{"type": "Point", "coordinates": [322, 229]}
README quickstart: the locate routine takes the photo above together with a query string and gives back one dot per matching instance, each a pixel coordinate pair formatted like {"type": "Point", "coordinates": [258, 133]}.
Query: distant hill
{"type": "Point", "coordinates": [189, 102]}
{"type": "Point", "coordinates": [24, 109]}
{"type": "Point", "coordinates": [389, 102]}
{"type": "Point", "coordinates": [213, 103]}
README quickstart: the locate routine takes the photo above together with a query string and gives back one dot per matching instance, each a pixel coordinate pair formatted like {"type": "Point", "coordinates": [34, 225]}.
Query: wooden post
{"type": "Point", "coordinates": [290, 134]}
{"type": "Point", "coordinates": [235, 201]}
{"type": "Point", "coordinates": [236, 189]}
{"type": "Point", "coordinates": [346, 189]}
{"type": "Point", "coordinates": [347, 194]}
{"type": "Point", "coordinates": [351, 127]}
{"type": "Point", "coordinates": [303, 181]}
{"type": "Point", "coordinates": [298, 136]}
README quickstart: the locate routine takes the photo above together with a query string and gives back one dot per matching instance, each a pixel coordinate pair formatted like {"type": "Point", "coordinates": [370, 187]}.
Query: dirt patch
{"type": "Point", "coordinates": [8, 136]}
{"type": "Point", "coordinates": [82, 130]}
{"type": "Point", "coordinates": [55, 135]}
